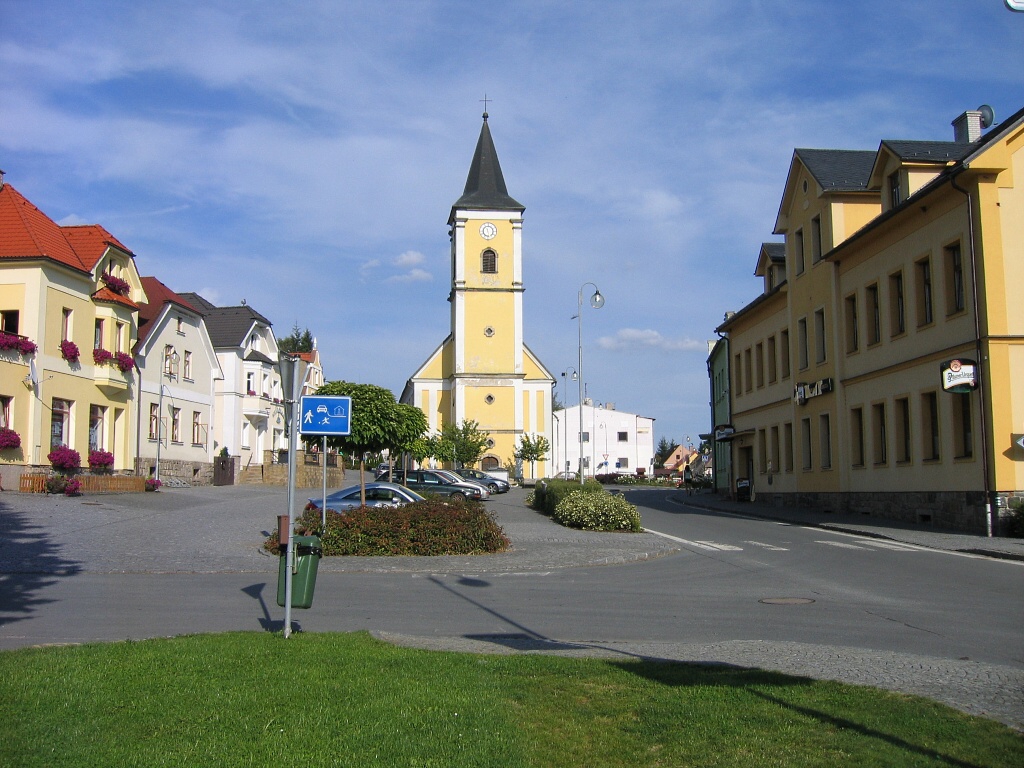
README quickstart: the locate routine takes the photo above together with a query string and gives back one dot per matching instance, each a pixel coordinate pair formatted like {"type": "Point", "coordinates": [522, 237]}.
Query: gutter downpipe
{"type": "Point", "coordinates": [989, 522]}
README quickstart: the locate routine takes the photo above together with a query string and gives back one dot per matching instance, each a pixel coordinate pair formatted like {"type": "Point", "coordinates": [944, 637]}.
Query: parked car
{"type": "Point", "coordinates": [493, 484]}
{"type": "Point", "coordinates": [567, 476]}
{"type": "Point", "coordinates": [457, 478]}
{"type": "Point", "coordinates": [377, 495]}
{"type": "Point", "coordinates": [432, 481]}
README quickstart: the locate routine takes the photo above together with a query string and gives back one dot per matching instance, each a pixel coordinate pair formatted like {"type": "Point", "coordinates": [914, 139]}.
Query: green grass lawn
{"type": "Point", "coordinates": [256, 699]}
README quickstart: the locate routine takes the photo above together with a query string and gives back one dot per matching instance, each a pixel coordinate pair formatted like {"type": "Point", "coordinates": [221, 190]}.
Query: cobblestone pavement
{"type": "Point", "coordinates": [221, 530]}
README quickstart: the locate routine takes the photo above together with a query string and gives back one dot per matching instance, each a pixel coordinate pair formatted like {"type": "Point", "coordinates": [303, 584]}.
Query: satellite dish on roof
{"type": "Point", "coordinates": [988, 115]}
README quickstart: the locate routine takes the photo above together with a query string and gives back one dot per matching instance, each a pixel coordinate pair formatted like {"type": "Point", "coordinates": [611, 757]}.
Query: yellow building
{"type": "Point", "coordinates": [483, 371]}
{"type": "Point", "coordinates": [884, 374]}
{"type": "Point", "coordinates": [72, 293]}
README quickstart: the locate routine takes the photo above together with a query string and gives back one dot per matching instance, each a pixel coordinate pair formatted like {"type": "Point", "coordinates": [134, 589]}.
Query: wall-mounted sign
{"type": "Point", "coordinates": [724, 432]}
{"type": "Point", "coordinates": [804, 391]}
{"type": "Point", "coordinates": [959, 376]}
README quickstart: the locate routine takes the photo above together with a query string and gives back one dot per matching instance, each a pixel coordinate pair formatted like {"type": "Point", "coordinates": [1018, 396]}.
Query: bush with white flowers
{"type": "Point", "coordinates": [597, 512]}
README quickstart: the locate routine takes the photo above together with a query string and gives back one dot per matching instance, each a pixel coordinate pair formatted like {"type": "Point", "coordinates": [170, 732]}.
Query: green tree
{"type": "Point", "coordinates": [665, 448]}
{"type": "Point", "coordinates": [461, 445]}
{"type": "Point", "coordinates": [532, 449]}
{"type": "Point", "coordinates": [377, 422]}
{"type": "Point", "coordinates": [297, 341]}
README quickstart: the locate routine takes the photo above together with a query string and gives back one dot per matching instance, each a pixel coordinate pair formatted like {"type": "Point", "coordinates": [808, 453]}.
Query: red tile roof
{"type": "Point", "coordinates": [91, 241]}
{"type": "Point", "coordinates": [28, 233]}
{"type": "Point", "coordinates": [157, 294]}
{"type": "Point", "coordinates": [111, 297]}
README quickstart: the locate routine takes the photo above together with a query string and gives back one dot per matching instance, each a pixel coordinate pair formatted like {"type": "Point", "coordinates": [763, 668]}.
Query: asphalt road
{"type": "Point", "coordinates": [699, 585]}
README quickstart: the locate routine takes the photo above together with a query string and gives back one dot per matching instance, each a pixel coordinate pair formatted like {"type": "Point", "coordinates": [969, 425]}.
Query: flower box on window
{"type": "Point", "coordinates": [101, 356]}
{"type": "Point", "coordinates": [9, 438]}
{"type": "Point", "coordinates": [124, 361]}
{"type": "Point", "coordinates": [69, 351]}
{"type": "Point", "coordinates": [116, 284]}
{"type": "Point", "coordinates": [18, 343]}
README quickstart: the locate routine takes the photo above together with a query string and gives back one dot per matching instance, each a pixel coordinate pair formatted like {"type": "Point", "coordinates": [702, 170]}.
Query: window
{"type": "Point", "coordinates": [250, 383]}
{"type": "Point", "coordinates": [805, 443]}
{"type": "Point", "coordinates": [773, 363]}
{"type": "Point", "coordinates": [878, 433]}
{"type": "Point", "coordinates": [748, 372]}
{"type": "Point", "coordinates": [489, 262]}
{"type": "Point", "coordinates": [9, 321]}
{"type": "Point", "coordinates": [785, 354]}
{"type": "Point", "coordinates": [154, 421]}
{"type": "Point", "coordinates": [852, 322]}
{"type": "Point", "coordinates": [895, 191]}
{"type": "Point", "coordinates": [801, 341]}
{"type": "Point", "coordinates": [65, 324]}
{"type": "Point", "coordinates": [60, 422]}
{"type": "Point", "coordinates": [816, 239]}
{"type": "Point", "coordinates": [119, 339]}
{"type": "Point", "coordinates": [762, 451]}
{"type": "Point", "coordinates": [954, 280]}
{"type": "Point", "coordinates": [5, 410]}
{"type": "Point", "coordinates": [903, 454]}
{"type": "Point", "coordinates": [97, 419]}
{"type": "Point", "coordinates": [176, 425]}
{"type": "Point", "coordinates": [97, 335]}
{"type": "Point", "coordinates": [897, 308]}
{"type": "Point", "coordinates": [825, 440]}
{"type": "Point", "coordinates": [187, 364]}
{"type": "Point", "coordinates": [586, 437]}
{"type": "Point", "coordinates": [798, 251]}
{"type": "Point", "coordinates": [179, 326]}
{"type": "Point", "coordinates": [738, 374]}
{"type": "Point", "coordinates": [820, 343]}
{"type": "Point", "coordinates": [623, 437]}
{"type": "Point", "coordinates": [622, 463]}
{"type": "Point", "coordinates": [776, 453]}
{"type": "Point", "coordinates": [874, 315]}
{"type": "Point", "coordinates": [857, 436]}
{"type": "Point", "coordinates": [930, 426]}
{"type": "Point", "coordinates": [923, 273]}
{"type": "Point", "coordinates": [788, 433]}
{"type": "Point", "coordinates": [964, 435]}
{"type": "Point", "coordinates": [170, 369]}
{"type": "Point", "coordinates": [759, 363]}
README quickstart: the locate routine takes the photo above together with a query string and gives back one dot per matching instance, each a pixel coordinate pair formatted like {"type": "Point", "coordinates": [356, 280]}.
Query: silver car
{"type": "Point", "coordinates": [377, 495]}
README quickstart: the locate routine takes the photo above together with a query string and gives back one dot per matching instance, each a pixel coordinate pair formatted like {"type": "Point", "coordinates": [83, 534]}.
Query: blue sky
{"type": "Point", "coordinates": [305, 156]}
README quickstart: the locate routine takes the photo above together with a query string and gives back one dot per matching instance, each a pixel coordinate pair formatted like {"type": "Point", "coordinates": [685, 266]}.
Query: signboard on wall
{"type": "Point", "coordinates": [959, 376]}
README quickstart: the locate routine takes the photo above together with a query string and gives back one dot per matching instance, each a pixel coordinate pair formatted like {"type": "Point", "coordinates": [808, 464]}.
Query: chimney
{"type": "Point", "coordinates": [967, 127]}
{"type": "Point", "coordinates": [1, 179]}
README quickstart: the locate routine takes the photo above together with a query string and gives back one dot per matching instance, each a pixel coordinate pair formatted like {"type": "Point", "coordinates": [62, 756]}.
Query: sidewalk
{"type": "Point", "coordinates": [909, 533]}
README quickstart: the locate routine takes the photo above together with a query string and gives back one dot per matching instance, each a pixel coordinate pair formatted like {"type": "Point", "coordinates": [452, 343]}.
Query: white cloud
{"type": "Point", "coordinates": [412, 276]}
{"type": "Point", "coordinates": [410, 259]}
{"type": "Point", "coordinates": [634, 339]}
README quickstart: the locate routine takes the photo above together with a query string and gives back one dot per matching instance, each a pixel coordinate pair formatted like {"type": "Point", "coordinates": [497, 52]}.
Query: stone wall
{"type": "Point", "coordinates": [190, 472]}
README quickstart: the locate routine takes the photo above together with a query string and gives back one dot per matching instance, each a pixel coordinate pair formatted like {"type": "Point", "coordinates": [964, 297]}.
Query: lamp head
{"type": "Point", "coordinates": [597, 300]}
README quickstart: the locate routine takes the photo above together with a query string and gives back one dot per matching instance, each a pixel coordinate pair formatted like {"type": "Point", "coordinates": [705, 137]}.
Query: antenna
{"type": "Point", "coordinates": [988, 115]}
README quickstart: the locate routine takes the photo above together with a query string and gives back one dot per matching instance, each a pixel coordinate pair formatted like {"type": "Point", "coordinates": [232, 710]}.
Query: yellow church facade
{"type": "Point", "coordinates": [483, 371]}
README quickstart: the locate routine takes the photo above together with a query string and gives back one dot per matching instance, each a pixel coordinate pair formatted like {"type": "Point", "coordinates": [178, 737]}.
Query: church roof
{"type": "Point", "coordinates": [485, 186]}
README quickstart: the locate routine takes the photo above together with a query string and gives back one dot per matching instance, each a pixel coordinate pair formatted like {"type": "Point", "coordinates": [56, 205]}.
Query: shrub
{"type": "Point", "coordinates": [100, 460]}
{"type": "Point", "coordinates": [9, 438]}
{"type": "Point", "coordinates": [152, 484]}
{"type": "Point", "coordinates": [425, 528]}
{"type": "Point", "coordinates": [64, 459]}
{"type": "Point", "coordinates": [69, 351]}
{"type": "Point", "coordinates": [72, 487]}
{"type": "Point", "coordinates": [548, 493]}
{"type": "Point", "coordinates": [69, 486]}
{"type": "Point", "coordinates": [597, 512]}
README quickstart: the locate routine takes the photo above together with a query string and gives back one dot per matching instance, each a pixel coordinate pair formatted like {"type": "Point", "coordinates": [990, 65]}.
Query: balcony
{"type": "Point", "coordinates": [111, 380]}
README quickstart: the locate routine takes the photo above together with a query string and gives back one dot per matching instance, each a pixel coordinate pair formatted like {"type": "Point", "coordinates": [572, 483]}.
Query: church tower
{"type": "Point", "coordinates": [483, 371]}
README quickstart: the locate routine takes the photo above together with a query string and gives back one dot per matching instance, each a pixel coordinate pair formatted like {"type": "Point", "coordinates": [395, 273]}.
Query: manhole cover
{"type": "Point", "coordinates": [786, 600]}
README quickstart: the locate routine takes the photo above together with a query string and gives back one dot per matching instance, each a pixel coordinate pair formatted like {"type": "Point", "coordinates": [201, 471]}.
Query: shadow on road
{"type": "Point", "coordinates": [29, 562]}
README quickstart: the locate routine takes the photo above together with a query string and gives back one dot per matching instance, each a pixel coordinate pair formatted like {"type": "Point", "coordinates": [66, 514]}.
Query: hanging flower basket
{"type": "Point", "coordinates": [18, 343]}
{"type": "Point", "coordinates": [9, 438]}
{"type": "Point", "coordinates": [69, 351]}
{"type": "Point", "coordinates": [101, 356]}
{"type": "Point", "coordinates": [116, 284]}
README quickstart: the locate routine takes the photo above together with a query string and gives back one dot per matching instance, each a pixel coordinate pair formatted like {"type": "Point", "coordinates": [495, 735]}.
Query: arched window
{"type": "Point", "coordinates": [489, 262]}
{"type": "Point", "coordinates": [490, 463]}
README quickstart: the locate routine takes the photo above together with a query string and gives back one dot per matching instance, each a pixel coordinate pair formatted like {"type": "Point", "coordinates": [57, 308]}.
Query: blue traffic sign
{"type": "Point", "coordinates": [326, 415]}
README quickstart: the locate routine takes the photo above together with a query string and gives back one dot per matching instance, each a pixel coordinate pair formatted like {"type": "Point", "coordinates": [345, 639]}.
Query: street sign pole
{"type": "Point", "coordinates": [323, 506]}
{"type": "Point", "coordinates": [293, 447]}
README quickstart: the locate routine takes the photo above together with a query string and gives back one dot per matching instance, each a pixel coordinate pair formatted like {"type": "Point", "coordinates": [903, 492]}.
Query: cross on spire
{"type": "Point", "coordinates": [485, 100]}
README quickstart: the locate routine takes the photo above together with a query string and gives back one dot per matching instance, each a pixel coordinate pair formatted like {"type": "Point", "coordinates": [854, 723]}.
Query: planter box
{"type": "Point", "coordinates": [90, 483]}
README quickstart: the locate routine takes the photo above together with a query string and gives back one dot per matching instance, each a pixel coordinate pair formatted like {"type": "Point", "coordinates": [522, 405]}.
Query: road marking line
{"type": "Point", "coordinates": [709, 545]}
{"type": "Point", "coordinates": [772, 547]}
{"type": "Point", "coordinates": [893, 545]}
{"type": "Point", "coordinates": [839, 544]}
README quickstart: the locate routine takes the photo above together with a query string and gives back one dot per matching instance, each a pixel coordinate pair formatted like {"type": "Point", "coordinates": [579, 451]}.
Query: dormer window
{"type": "Point", "coordinates": [489, 262]}
{"type": "Point", "coordinates": [895, 191]}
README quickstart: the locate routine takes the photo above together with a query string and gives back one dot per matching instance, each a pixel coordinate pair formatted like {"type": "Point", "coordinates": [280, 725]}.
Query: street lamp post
{"type": "Point", "coordinates": [596, 301]}
{"type": "Point", "coordinates": [565, 421]}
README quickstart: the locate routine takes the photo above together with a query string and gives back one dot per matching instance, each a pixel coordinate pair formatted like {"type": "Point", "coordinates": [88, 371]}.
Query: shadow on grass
{"type": "Point", "coordinates": [683, 673]}
{"type": "Point", "coordinates": [29, 563]}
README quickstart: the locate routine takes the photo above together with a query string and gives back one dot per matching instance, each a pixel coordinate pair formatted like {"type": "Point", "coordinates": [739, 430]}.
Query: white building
{"type": "Point", "coordinates": [613, 441]}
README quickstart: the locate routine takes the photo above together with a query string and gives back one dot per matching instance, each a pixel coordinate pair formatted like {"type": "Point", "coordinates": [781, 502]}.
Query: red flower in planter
{"type": "Point", "coordinates": [101, 460]}
{"type": "Point", "coordinates": [101, 356]}
{"type": "Point", "coordinates": [20, 343]}
{"type": "Point", "coordinates": [116, 284]}
{"type": "Point", "coordinates": [9, 438]}
{"type": "Point", "coordinates": [124, 361]}
{"type": "Point", "coordinates": [64, 458]}
{"type": "Point", "coordinates": [69, 351]}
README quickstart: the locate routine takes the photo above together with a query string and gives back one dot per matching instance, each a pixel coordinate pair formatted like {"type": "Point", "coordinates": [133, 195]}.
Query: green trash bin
{"type": "Point", "coordinates": [307, 561]}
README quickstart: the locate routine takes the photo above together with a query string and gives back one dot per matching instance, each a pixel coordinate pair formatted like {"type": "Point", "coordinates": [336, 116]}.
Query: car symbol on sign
{"type": "Point", "coordinates": [321, 409]}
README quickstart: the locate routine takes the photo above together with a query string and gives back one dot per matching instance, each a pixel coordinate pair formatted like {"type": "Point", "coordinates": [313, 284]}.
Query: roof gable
{"type": "Point", "coordinates": [91, 242]}
{"type": "Point", "coordinates": [28, 233]}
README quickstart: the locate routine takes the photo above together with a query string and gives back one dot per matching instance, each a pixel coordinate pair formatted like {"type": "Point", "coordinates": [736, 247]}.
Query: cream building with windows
{"type": "Point", "coordinates": [483, 371]}
{"type": "Point", "coordinates": [882, 373]}
{"type": "Point", "coordinates": [72, 293]}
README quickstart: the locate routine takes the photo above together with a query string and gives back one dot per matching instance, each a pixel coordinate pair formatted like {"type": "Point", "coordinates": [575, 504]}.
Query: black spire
{"type": "Point", "coordinates": [485, 186]}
